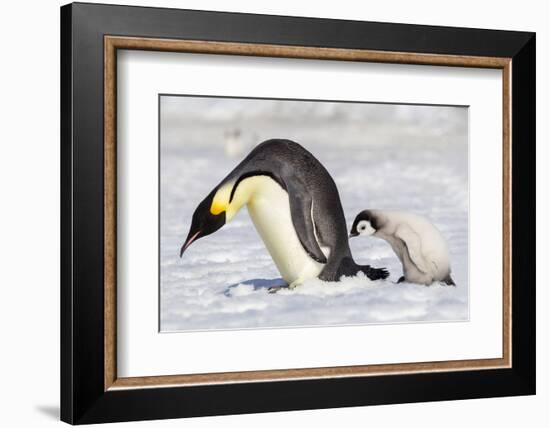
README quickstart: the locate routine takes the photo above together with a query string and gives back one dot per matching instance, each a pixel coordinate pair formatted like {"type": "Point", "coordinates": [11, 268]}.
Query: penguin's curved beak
{"type": "Point", "coordinates": [189, 241]}
{"type": "Point", "coordinates": [353, 233]}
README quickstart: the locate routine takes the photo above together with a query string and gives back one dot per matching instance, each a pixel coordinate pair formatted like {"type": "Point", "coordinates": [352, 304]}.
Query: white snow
{"type": "Point", "coordinates": [410, 158]}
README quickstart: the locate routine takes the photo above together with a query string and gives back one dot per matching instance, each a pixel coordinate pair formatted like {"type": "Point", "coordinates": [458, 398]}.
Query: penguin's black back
{"type": "Point", "coordinates": [291, 165]}
{"type": "Point", "coordinates": [314, 197]}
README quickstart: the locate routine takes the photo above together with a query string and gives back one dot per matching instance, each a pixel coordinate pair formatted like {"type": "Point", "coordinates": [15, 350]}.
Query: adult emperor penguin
{"type": "Point", "coordinates": [295, 207]}
{"type": "Point", "coordinates": [416, 242]}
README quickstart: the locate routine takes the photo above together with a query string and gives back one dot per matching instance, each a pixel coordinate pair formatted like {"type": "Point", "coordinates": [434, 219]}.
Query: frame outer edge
{"type": "Point", "coordinates": [82, 402]}
{"type": "Point", "coordinates": [66, 226]}
{"type": "Point", "coordinates": [297, 31]}
{"type": "Point", "coordinates": [524, 216]}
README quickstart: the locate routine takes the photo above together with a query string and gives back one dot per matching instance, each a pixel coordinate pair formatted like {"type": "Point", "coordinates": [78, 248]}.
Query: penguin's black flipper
{"type": "Point", "coordinates": [300, 211]}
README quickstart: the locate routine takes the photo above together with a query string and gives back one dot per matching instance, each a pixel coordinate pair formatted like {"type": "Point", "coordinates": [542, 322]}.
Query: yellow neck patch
{"type": "Point", "coordinates": [220, 202]}
{"type": "Point", "coordinates": [217, 208]}
{"type": "Point", "coordinates": [245, 192]}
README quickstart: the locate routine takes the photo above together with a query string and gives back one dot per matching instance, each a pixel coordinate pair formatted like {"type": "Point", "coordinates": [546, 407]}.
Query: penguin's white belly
{"type": "Point", "coordinates": [269, 209]}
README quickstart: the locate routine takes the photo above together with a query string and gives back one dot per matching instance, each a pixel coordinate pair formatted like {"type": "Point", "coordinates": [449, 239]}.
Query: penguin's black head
{"type": "Point", "coordinates": [364, 224]}
{"type": "Point", "coordinates": [204, 222]}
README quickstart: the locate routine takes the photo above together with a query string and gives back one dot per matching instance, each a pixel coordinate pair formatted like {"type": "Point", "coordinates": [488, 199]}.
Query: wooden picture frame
{"type": "Point", "coordinates": [91, 391]}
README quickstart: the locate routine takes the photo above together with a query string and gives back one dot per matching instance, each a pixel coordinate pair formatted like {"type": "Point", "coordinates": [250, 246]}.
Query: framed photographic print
{"type": "Point", "coordinates": [265, 213]}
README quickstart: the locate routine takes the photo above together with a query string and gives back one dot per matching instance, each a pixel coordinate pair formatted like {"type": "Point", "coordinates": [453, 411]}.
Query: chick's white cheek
{"type": "Point", "coordinates": [364, 228]}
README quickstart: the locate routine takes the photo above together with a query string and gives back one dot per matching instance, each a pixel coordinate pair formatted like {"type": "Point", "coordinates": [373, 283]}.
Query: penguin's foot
{"type": "Point", "coordinates": [375, 273]}
{"type": "Point", "coordinates": [290, 286]}
{"type": "Point", "coordinates": [275, 288]}
{"type": "Point", "coordinates": [449, 281]}
{"type": "Point", "coordinates": [446, 284]}
{"type": "Point", "coordinates": [400, 280]}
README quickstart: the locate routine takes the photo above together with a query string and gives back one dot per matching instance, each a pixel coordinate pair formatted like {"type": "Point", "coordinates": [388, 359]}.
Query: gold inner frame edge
{"type": "Point", "coordinates": [113, 43]}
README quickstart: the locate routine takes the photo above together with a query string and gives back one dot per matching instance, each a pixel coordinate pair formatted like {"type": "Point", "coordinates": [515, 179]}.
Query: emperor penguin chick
{"type": "Point", "coordinates": [417, 243]}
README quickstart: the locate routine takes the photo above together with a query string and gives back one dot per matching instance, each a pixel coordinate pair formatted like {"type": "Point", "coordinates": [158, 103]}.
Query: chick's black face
{"type": "Point", "coordinates": [204, 223]}
{"type": "Point", "coordinates": [364, 220]}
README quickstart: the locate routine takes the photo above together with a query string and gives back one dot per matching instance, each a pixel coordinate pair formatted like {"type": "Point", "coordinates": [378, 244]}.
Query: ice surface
{"type": "Point", "coordinates": [411, 158]}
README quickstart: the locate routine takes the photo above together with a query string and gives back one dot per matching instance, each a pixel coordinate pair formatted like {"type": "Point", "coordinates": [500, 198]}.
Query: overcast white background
{"type": "Point", "coordinates": [29, 225]}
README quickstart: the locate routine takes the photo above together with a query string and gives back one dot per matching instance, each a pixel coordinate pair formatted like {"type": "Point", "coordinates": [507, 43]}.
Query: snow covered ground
{"type": "Point", "coordinates": [412, 158]}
